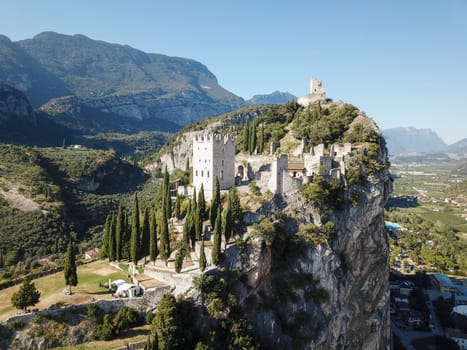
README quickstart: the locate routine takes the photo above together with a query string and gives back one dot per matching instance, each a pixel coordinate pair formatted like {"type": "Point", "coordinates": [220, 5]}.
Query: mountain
{"type": "Point", "coordinates": [113, 78]}
{"type": "Point", "coordinates": [276, 97]}
{"type": "Point", "coordinates": [409, 139]}
{"type": "Point", "coordinates": [459, 146]}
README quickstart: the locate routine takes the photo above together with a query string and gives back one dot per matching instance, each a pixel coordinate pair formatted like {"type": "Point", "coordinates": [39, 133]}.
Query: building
{"type": "Point", "coordinates": [317, 93]}
{"type": "Point", "coordinates": [213, 156]}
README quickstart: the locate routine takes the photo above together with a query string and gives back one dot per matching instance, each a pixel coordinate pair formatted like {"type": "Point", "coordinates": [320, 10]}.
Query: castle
{"type": "Point", "coordinates": [317, 93]}
{"type": "Point", "coordinates": [213, 155]}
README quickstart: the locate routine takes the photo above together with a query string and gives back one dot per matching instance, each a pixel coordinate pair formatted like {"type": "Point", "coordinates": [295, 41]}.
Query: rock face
{"type": "Point", "coordinates": [14, 105]}
{"type": "Point", "coordinates": [409, 139]}
{"type": "Point", "coordinates": [331, 295]}
{"type": "Point", "coordinates": [113, 78]}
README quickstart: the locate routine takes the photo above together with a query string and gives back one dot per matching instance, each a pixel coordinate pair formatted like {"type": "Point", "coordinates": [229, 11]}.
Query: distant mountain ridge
{"type": "Point", "coordinates": [276, 97]}
{"type": "Point", "coordinates": [113, 78]}
{"type": "Point", "coordinates": [409, 139]}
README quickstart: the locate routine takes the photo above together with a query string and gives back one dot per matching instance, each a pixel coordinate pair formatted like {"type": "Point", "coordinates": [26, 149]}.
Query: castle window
{"type": "Point", "coordinates": [202, 173]}
{"type": "Point", "coordinates": [196, 172]}
{"type": "Point", "coordinates": [222, 174]}
{"type": "Point", "coordinates": [222, 162]}
{"type": "Point", "coordinates": [208, 173]}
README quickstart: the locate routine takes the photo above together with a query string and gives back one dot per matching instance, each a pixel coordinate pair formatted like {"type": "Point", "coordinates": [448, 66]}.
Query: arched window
{"type": "Point", "coordinates": [222, 174]}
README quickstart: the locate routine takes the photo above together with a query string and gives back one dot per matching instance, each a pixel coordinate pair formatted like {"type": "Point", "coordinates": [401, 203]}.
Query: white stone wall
{"type": "Point", "coordinates": [317, 93]}
{"type": "Point", "coordinates": [213, 155]}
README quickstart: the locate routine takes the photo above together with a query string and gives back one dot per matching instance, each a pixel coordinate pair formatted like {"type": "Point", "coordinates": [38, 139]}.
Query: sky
{"type": "Point", "coordinates": [402, 62]}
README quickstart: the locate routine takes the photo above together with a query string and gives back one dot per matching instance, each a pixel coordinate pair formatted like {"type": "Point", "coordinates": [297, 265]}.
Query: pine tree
{"type": "Point", "coordinates": [27, 295]}
{"type": "Point", "coordinates": [69, 268]}
{"type": "Point", "coordinates": [145, 235]}
{"type": "Point", "coordinates": [119, 233]}
{"type": "Point", "coordinates": [246, 137]}
{"type": "Point", "coordinates": [216, 248]}
{"type": "Point", "coordinates": [202, 257]}
{"type": "Point", "coordinates": [215, 203]}
{"type": "Point", "coordinates": [166, 323]}
{"type": "Point", "coordinates": [153, 237]}
{"type": "Point", "coordinates": [201, 202]}
{"type": "Point", "coordinates": [164, 246]}
{"type": "Point", "coordinates": [135, 231]}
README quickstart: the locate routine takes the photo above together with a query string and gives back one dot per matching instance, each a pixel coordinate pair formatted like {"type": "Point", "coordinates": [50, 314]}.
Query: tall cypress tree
{"type": "Point", "coordinates": [69, 268]}
{"type": "Point", "coordinates": [164, 246]}
{"type": "Point", "coordinates": [145, 235]}
{"type": "Point", "coordinates": [112, 238]}
{"type": "Point", "coordinates": [246, 137]}
{"type": "Point", "coordinates": [135, 231]}
{"type": "Point", "coordinates": [119, 233]}
{"type": "Point", "coordinates": [216, 247]}
{"type": "Point", "coordinates": [153, 237]}
{"type": "Point", "coordinates": [202, 257]}
{"type": "Point", "coordinates": [201, 202]}
{"type": "Point", "coordinates": [104, 252]}
{"type": "Point", "coordinates": [261, 140]}
{"type": "Point", "coordinates": [177, 207]}
{"type": "Point", "coordinates": [215, 203]}
{"type": "Point", "coordinates": [166, 194]}
{"type": "Point", "coordinates": [252, 140]}
{"type": "Point", "coordinates": [236, 210]}
{"type": "Point", "coordinates": [227, 222]}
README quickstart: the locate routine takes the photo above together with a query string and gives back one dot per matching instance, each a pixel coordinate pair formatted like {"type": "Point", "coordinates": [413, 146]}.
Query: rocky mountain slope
{"type": "Point", "coordinates": [410, 139]}
{"type": "Point", "coordinates": [113, 78]}
{"type": "Point", "coordinates": [276, 97]}
{"type": "Point", "coordinates": [313, 273]}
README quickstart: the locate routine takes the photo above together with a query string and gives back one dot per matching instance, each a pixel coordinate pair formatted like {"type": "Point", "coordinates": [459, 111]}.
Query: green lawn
{"type": "Point", "coordinates": [52, 286]}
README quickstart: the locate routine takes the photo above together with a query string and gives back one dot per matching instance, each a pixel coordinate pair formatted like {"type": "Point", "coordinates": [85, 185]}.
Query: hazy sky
{"type": "Point", "coordinates": [404, 62]}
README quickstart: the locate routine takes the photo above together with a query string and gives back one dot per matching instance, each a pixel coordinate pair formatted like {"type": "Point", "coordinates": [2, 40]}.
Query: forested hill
{"type": "Point", "coordinates": [115, 78]}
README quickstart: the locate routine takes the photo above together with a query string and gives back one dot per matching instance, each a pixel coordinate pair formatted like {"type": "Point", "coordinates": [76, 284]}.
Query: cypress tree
{"type": "Point", "coordinates": [201, 202]}
{"type": "Point", "coordinates": [246, 137]}
{"type": "Point", "coordinates": [112, 238]}
{"type": "Point", "coordinates": [216, 248]}
{"type": "Point", "coordinates": [69, 268]}
{"type": "Point", "coordinates": [202, 257]}
{"type": "Point", "coordinates": [153, 237]}
{"type": "Point", "coordinates": [177, 208]}
{"type": "Point", "coordinates": [236, 210]}
{"type": "Point", "coordinates": [104, 252]}
{"type": "Point", "coordinates": [126, 237]}
{"type": "Point", "coordinates": [252, 140]}
{"type": "Point", "coordinates": [227, 222]}
{"type": "Point", "coordinates": [135, 231]}
{"type": "Point", "coordinates": [215, 203]}
{"type": "Point", "coordinates": [164, 247]}
{"type": "Point", "coordinates": [119, 233]}
{"type": "Point", "coordinates": [145, 235]}
{"type": "Point", "coordinates": [166, 195]}
{"type": "Point", "coordinates": [261, 140]}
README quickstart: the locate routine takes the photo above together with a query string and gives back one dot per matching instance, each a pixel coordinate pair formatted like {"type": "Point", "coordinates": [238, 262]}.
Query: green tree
{"type": "Point", "coordinates": [153, 237]}
{"type": "Point", "coordinates": [180, 256]}
{"type": "Point", "coordinates": [135, 231]}
{"type": "Point", "coordinates": [216, 248]}
{"type": "Point", "coordinates": [69, 268]}
{"type": "Point", "coordinates": [261, 140]}
{"type": "Point", "coordinates": [164, 244]}
{"type": "Point", "coordinates": [166, 323]}
{"type": "Point", "coordinates": [201, 202]}
{"type": "Point", "coordinates": [202, 257]}
{"type": "Point", "coordinates": [252, 140]}
{"type": "Point", "coordinates": [119, 233]}
{"type": "Point", "coordinates": [236, 210]}
{"type": "Point", "coordinates": [145, 234]}
{"type": "Point", "coordinates": [227, 222]}
{"type": "Point", "coordinates": [27, 295]}
{"type": "Point", "coordinates": [215, 203]}
{"type": "Point", "coordinates": [166, 195]}
{"type": "Point", "coordinates": [104, 252]}
{"type": "Point", "coordinates": [112, 238]}
{"type": "Point", "coordinates": [177, 208]}
{"type": "Point", "coordinates": [246, 137]}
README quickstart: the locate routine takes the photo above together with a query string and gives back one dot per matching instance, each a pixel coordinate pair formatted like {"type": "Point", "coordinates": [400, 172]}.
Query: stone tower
{"type": "Point", "coordinates": [317, 93]}
{"type": "Point", "coordinates": [213, 155]}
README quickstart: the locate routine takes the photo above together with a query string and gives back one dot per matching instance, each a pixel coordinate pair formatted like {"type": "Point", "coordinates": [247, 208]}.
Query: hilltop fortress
{"type": "Point", "coordinates": [317, 93]}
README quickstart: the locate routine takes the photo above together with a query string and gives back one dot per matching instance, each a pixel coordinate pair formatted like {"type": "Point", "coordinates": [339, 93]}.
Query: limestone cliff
{"type": "Point", "coordinates": [315, 294]}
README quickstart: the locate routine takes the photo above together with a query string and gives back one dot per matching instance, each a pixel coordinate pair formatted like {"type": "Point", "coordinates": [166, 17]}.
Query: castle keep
{"type": "Point", "coordinates": [213, 155]}
{"type": "Point", "coordinates": [317, 93]}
